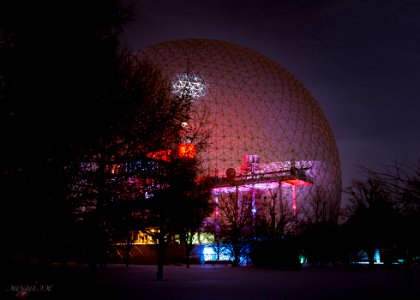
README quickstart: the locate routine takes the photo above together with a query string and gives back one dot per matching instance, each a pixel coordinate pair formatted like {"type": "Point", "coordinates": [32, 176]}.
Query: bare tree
{"type": "Point", "coordinates": [320, 209]}
{"type": "Point", "coordinates": [273, 217]}
{"type": "Point", "coordinates": [192, 212]}
{"type": "Point", "coordinates": [401, 183]}
{"type": "Point", "coordinates": [371, 216]}
{"type": "Point", "coordinates": [320, 240]}
{"type": "Point", "coordinates": [176, 209]}
{"type": "Point", "coordinates": [235, 222]}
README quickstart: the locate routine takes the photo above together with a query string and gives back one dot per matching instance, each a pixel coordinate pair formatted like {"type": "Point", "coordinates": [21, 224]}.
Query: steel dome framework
{"type": "Point", "coordinates": [261, 119]}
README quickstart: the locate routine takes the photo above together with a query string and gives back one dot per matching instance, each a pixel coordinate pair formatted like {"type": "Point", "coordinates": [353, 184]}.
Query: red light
{"type": "Point", "coordinates": [297, 182]}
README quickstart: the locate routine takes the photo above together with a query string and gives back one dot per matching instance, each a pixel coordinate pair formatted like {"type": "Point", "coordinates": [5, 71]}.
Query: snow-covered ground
{"type": "Point", "coordinates": [199, 282]}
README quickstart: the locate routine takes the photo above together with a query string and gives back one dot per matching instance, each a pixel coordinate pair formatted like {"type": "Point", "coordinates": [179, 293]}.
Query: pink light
{"type": "Point", "coordinates": [246, 187]}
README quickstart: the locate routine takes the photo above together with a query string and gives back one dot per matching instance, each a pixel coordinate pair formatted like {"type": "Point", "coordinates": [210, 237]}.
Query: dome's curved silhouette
{"type": "Point", "coordinates": [255, 107]}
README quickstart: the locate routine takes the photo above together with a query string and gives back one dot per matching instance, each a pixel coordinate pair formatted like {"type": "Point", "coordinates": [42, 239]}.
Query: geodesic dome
{"type": "Point", "coordinates": [256, 110]}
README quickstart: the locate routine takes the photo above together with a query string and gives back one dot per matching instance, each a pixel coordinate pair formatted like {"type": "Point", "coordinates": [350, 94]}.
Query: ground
{"type": "Point", "coordinates": [214, 282]}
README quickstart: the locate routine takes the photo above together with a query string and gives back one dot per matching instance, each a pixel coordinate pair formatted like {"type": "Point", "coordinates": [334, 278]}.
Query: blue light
{"type": "Point", "coordinates": [210, 253]}
{"type": "Point", "coordinates": [377, 257]}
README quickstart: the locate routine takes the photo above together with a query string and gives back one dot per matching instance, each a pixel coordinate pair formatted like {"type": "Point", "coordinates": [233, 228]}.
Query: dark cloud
{"type": "Point", "coordinates": [359, 59]}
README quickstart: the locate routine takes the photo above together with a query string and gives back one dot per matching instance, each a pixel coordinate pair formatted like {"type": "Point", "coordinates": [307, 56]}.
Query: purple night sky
{"type": "Point", "coordinates": [359, 59]}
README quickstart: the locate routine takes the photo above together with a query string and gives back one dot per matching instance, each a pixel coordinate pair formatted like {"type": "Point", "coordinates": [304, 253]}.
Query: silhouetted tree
{"type": "Point", "coordinates": [234, 222]}
{"type": "Point", "coordinates": [320, 209]}
{"type": "Point", "coordinates": [321, 240]}
{"type": "Point", "coordinates": [73, 106]}
{"type": "Point", "coordinates": [163, 217]}
{"type": "Point", "coordinates": [402, 184]}
{"type": "Point", "coordinates": [56, 91]}
{"type": "Point", "coordinates": [273, 217]}
{"type": "Point", "coordinates": [192, 211]}
{"type": "Point", "coordinates": [372, 217]}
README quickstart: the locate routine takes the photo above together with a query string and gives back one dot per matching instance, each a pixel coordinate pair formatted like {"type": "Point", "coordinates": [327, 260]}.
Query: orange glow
{"type": "Point", "coordinates": [160, 155]}
{"type": "Point", "coordinates": [186, 150]}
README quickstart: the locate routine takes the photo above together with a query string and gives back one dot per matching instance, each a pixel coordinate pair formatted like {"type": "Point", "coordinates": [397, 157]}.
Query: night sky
{"type": "Point", "coordinates": [360, 59]}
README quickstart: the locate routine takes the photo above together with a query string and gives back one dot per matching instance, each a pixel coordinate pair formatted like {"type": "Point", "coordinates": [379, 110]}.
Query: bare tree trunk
{"type": "Point", "coordinates": [217, 243]}
{"type": "Point", "coordinates": [188, 248]}
{"type": "Point", "coordinates": [187, 254]}
{"type": "Point", "coordinates": [273, 225]}
{"type": "Point", "coordinates": [160, 262]}
{"type": "Point", "coordinates": [236, 254]}
{"type": "Point", "coordinates": [127, 252]}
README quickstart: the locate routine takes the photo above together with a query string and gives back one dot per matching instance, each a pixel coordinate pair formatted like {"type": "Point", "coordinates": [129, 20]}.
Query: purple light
{"type": "Point", "coordinates": [246, 187]}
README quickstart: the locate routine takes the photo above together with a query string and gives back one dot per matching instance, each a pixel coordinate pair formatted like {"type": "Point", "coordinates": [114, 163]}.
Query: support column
{"type": "Point", "coordinates": [294, 206]}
